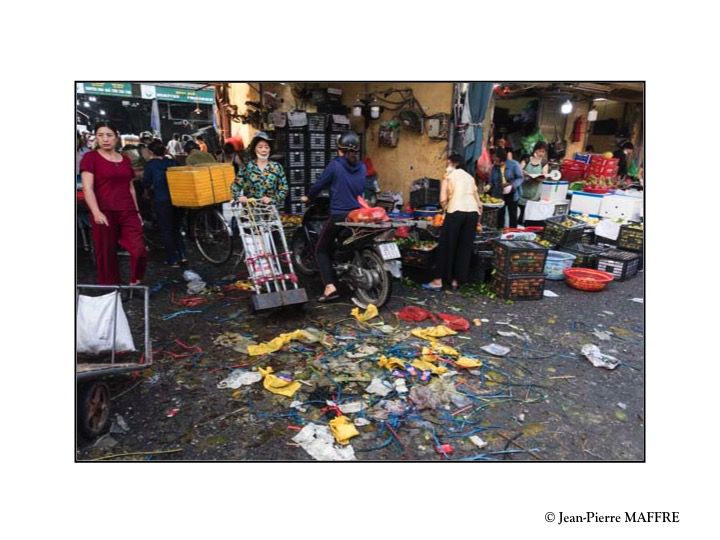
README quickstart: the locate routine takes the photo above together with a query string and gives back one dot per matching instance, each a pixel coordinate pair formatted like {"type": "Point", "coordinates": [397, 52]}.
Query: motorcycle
{"type": "Point", "coordinates": [365, 257]}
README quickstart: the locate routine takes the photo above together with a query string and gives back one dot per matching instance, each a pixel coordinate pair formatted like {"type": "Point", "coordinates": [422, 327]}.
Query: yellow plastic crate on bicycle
{"type": "Point", "coordinates": [200, 185]}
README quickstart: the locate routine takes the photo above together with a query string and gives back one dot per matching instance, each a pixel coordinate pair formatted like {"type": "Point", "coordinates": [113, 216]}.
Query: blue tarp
{"type": "Point", "coordinates": [478, 97]}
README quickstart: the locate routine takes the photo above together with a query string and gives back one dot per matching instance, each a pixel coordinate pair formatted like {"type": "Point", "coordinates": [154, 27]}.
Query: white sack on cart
{"type": "Point", "coordinates": [255, 246]}
{"type": "Point", "coordinates": [95, 325]}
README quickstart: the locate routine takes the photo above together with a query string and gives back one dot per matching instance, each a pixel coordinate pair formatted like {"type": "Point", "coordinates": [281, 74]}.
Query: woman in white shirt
{"type": "Point", "coordinates": [461, 201]}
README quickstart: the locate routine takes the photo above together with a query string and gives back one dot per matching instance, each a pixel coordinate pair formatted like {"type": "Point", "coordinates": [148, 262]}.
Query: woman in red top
{"type": "Point", "coordinates": [107, 178]}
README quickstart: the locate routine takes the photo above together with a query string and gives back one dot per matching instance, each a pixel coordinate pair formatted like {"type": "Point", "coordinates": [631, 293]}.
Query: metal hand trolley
{"type": "Point", "coordinates": [270, 269]}
{"type": "Point", "coordinates": [93, 395]}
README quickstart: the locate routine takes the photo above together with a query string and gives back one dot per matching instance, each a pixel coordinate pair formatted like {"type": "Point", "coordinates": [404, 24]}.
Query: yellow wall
{"type": "Point", "coordinates": [416, 155]}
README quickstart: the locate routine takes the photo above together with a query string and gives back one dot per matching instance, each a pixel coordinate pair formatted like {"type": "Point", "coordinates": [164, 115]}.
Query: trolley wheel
{"type": "Point", "coordinates": [213, 236]}
{"type": "Point", "coordinates": [93, 408]}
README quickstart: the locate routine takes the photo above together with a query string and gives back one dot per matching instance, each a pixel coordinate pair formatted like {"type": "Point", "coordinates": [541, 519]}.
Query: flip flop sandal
{"type": "Point", "coordinates": [328, 298]}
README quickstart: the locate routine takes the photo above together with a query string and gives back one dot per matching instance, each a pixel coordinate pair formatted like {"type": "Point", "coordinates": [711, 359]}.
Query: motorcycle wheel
{"type": "Point", "coordinates": [303, 257]}
{"type": "Point", "coordinates": [380, 293]}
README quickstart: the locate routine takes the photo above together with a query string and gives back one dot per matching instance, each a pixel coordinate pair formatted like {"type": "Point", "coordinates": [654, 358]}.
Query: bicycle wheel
{"type": "Point", "coordinates": [213, 236]}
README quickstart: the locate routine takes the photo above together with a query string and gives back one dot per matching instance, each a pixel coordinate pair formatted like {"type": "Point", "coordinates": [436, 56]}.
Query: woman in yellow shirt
{"type": "Point", "coordinates": [461, 201]}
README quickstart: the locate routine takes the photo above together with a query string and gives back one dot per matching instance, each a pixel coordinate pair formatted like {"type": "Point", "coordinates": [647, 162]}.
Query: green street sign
{"type": "Point", "coordinates": [105, 89]}
{"type": "Point", "coordinates": [186, 95]}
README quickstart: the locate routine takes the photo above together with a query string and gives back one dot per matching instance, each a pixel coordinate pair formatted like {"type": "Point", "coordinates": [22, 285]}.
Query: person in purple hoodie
{"type": "Point", "coordinates": [345, 178]}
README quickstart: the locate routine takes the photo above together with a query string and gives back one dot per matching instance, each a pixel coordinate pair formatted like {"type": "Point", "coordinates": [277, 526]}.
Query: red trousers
{"type": "Point", "coordinates": [123, 228]}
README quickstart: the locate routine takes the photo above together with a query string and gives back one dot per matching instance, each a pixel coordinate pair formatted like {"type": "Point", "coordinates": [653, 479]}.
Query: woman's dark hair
{"type": "Point", "coordinates": [176, 136]}
{"type": "Point", "coordinates": [457, 160]}
{"type": "Point", "coordinates": [109, 126]}
{"type": "Point", "coordinates": [190, 146]}
{"type": "Point", "coordinates": [157, 148]}
{"type": "Point", "coordinates": [501, 154]}
{"type": "Point", "coordinates": [628, 146]}
{"type": "Point", "coordinates": [540, 145]}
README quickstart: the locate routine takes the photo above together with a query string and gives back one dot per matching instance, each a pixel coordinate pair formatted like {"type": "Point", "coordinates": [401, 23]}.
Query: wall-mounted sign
{"type": "Point", "coordinates": [166, 93]}
{"type": "Point", "coordinates": [106, 89]}
{"type": "Point", "coordinates": [147, 91]}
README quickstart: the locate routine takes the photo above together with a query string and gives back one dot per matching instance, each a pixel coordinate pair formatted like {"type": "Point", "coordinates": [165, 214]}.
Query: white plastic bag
{"type": "Point", "coordinates": [95, 325]}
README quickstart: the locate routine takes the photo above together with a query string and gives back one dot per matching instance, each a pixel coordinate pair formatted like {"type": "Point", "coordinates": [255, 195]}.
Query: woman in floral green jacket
{"type": "Point", "coordinates": [261, 179]}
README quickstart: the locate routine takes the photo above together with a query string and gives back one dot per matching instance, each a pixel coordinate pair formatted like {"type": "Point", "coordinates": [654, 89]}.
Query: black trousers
{"type": "Point", "coordinates": [169, 220]}
{"type": "Point", "coordinates": [512, 208]}
{"type": "Point", "coordinates": [324, 246]}
{"type": "Point", "coordinates": [456, 246]}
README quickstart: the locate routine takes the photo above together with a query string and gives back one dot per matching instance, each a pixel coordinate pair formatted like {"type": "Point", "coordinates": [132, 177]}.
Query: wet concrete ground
{"type": "Point", "coordinates": [543, 400]}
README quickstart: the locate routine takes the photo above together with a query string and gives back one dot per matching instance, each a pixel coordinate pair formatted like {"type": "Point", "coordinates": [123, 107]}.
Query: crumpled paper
{"type": "Point", "coordinates": [433, 332]}
{"type": "Point", "coordinates": [495, 349]}
{"type": "Point", "coordinates": [599, 359]}
{"type": "Point", "coordinates": [377, 387]}
{"type": "Point", "coordinates": [370, 312]}
{"type": "Point", "coordinates": [240, 377]}
{"type": "Point", "coordinates": [277, 343]}
{"type": "Point", "coordinates": [318, 441]}
{"type": "Point", "coordinates": [362, 351]}
{"type": "Point", "coordinates": [423, 365]}
{"type": "Point", "coordinates": [343, 429]}
{"type": "Point", "coordinates": [276, 385]}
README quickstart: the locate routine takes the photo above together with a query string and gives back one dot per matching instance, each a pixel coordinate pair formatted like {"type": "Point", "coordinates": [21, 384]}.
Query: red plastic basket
{"type": "Point", "coordinates": [586, 279]}
{"type": "Point", "coordinates": [526, 229]}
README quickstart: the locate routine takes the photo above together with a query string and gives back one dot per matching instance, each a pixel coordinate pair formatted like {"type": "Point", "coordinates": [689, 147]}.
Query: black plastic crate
{"type": "Point", "coordinates": [419, 258]}
{"type": "Point", "coordinates": [586, 256]}
{"type": "Point", "coordinates": [425, 192]}
{"type": "Point", "coordinates": [621, 264]}
{"type": "Point", "coordinates": [297, 140]}
{"type": "Point", "coordinates": [297, 208]}
{"type": "Point", "coordinates": [296, 160]}
{"type": "Point", "coordinates": [481, 265]}
{"type": "Point", "coordinates": [335, 126]}
{"type": "Point", "coordinates": [317, 121]}
{"type": "Point", "coordinates": [317, 141]}
{"type": "Point", "coordinates": [315, 174]}
{"type": "Point", "coordinates": [558, 232]}
{"type": "Point", "coordinates": [588, 236]}
{"type": "Point", "coordinates": [519, 257]}
{"type": "Point", "coordinates": [297, 176]}
{"type": "Point", "coordinates": [317, 158]}
{"type": "Point", "coordinates": [631, 237]}
{"type": "Point", "coordinates": [280, 140]}
{"type": "Point", "coordinates": [485, 240]}
{"type": "Point", "coordinates": [490, 216]}
{"type": "Point", "coordinates": [561, 209]}
{"type": "Point", "coordinates": [296, 192]}
{"type": "Point", "coordinates": [518, 286]}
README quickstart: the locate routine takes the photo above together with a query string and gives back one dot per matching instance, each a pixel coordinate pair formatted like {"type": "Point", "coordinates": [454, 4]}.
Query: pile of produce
{"type": "Point", "coordinates": [288, 219]}
{"type": "Point", "coordinates": [589, 220]}
{"type": "Point", "coordinates": [487, 199]}
{"type": "Point", "coordinates": [599, 183]}
{"type": "Point", "coordinates": [424, 245]}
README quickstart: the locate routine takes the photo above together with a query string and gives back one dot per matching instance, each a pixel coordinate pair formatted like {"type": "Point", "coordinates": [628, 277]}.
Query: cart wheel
{"type": "Point", "coordinates": [93, 408]}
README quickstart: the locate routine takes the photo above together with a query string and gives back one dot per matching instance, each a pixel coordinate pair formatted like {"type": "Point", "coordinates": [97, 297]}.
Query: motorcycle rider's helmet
{"type": "Point", "coordinates": [348, 142]}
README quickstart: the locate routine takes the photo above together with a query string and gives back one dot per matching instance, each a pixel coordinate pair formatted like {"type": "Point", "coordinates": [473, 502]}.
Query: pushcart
{"type": "Point", "coordinates": [267, 258]}
{"type": "Point", "coordinates": [93, 394]}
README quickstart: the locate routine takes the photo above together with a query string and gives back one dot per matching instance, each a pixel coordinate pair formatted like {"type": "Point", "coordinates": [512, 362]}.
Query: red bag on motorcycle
{"type": "Point", "coordinates": [367, 214]}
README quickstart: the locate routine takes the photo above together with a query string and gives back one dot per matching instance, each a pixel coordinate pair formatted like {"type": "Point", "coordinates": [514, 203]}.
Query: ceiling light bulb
{"type": "Point", "coordinates": [566, 107]}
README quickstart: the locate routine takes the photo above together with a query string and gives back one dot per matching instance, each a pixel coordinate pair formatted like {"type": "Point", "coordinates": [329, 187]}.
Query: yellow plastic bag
{"type": "Point", "coordinates": [390, 363]}
{"type": "Point", "coordinates": [439, 348]}
{"type": "Point", "coordinates": [276, 385]}
{"type": "Point", "coordinates": [343, 429]}
{"type": "Point", "coordinates": [277, 343]}
{"type": "Point", "coordinates": [468, 362]}
{"type": "Point", "coordinates": [423, 365]}
{"type": "Point", "coordinates": [370, 312]}
{"type": "Point", "coordinates": [433, 332]}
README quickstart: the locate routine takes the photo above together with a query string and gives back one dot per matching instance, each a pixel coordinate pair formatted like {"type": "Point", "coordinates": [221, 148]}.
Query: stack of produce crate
{"type": "Point", "coordinates": [519, 270]}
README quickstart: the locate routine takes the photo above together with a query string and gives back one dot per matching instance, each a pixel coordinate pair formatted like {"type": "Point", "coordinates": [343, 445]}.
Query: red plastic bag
{"type": "Point", "coordinates": [415, 314]}
{"type": "Point", "coordinates": [483, 166]}
{"type": "Point", "coordinates": [367, 214]}
{"type": "Point", "coordinates": [455, 322]}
